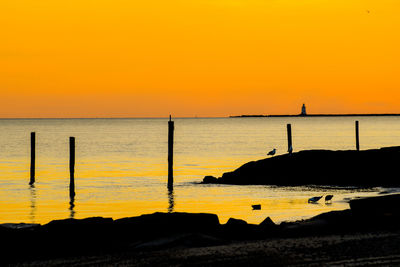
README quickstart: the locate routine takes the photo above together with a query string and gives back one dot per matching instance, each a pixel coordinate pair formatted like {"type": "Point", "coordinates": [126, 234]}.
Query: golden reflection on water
{"type": "Point", "coordinates": [121, 166]}
{"type": "Point", "coordinates": [226, 202]}
{"type": "Point", "coordinates": [32, 214]}
{"type": "Point", "coordinates": [120, 194]}
{"type": "Point", "coordinates": [171, 200]}
{"type": "Point", "coordinates": [71, 207]}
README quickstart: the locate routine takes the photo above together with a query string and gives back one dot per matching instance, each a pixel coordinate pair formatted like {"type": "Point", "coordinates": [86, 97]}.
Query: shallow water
{"type": "Point", "coordinates": [121, 165]}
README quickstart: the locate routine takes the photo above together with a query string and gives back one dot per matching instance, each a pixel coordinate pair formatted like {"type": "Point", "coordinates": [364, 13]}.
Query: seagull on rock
{"type": "Point", "coordinates": [272, 152]}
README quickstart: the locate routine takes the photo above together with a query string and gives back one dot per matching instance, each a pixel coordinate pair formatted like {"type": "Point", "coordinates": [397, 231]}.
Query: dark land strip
{"type": "Point", "coordinates": [318, 115]}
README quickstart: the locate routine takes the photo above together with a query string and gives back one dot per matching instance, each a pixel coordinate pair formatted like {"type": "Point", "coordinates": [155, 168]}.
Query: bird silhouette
{"type": "Point", "coordinates": [328, 198]}
{"type": "Point", "coordinates": [314, 199]}
{"type": "Point", "coordinates": [272, 152]}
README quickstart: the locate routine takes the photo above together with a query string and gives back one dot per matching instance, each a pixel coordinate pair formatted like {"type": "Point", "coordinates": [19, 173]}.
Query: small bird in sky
{"type": "Point", "coordinates": [272, 152]}
{"type": "Point", "coordinates": [368, 11]}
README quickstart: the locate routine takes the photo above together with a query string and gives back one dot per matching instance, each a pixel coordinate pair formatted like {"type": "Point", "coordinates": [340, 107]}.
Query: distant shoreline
{"type": "Point", "coordinates": [316, 115]}
{"type": "Point", "coordinates": [218, 117]}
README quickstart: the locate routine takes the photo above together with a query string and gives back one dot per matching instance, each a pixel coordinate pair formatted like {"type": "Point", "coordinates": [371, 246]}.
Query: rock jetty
{"type": "Point", "coordinates": [366, 168]}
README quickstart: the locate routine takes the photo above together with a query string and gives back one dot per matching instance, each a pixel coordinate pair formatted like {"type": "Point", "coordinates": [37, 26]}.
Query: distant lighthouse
{"type": "Point", "coordinates": [303, 110]}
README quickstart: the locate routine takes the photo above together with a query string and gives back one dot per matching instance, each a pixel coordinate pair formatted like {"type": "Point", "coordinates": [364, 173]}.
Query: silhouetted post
{"type": "Point", "coordinates": [289, 138]}
{"type": "Point", "coordinates": [170, 152]}
{"type": "Point", "coordinates": [72, 167]}
{"type": "Point", "coordinates": [357, 137]}
{"type": "Point", "coordinates": [33, 157]}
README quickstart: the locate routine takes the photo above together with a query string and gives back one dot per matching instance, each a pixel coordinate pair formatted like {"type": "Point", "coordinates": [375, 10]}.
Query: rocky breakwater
{"type": "Point", "coordinates": [81, 238]}
{"type": "Point", "coordinates": [366, 168]}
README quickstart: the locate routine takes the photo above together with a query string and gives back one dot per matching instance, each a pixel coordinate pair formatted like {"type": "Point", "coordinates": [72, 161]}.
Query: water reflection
{"type": "Point", "coordinates": [32, 215]}
{"type": "Point", "coordinates": [171, 200]}
{"type": "Point", "coordinates": [315, 203]}
{"type": "Point", "coordinates": [71, 207]}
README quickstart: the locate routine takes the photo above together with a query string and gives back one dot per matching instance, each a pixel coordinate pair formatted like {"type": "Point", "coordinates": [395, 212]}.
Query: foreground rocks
{"type": "Point", "coordinates": [367, 168]}
{"type": "Point", "coordinates": [164, 231]}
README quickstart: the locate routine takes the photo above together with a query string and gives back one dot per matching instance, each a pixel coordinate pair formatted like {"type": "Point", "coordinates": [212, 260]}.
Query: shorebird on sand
{"type": "Point", "coordinates": [328, 198]}
{"type": "Point", "coordinates": [272, 152]}
{"type": "Point", "coordinates": [314, 199]}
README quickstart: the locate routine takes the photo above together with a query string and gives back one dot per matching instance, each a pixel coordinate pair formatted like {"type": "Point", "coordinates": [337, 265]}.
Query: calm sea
{"type": "Point", "coordinates": [121, 166]}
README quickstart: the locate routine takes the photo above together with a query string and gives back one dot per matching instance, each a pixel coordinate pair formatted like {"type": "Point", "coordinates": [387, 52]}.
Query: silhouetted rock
{"type": "Point", "coordinates": [19, 226]}
{"type": "Point", "coordinates": [94, 228]}
{"type": "Point", "coordinates": [388, 205]}
{"type": "Point", "coordinates": [375, 167]}
{"type": "Point", "coordinates": [235, 222]}
{"type": "Point", "coordinates": [267, 223]}
{"type": "Point", "coordinates": [84, 224]}
{"type": "Point", "coordinates": [209, 179]}
{"type": "Point", "coordinates": [335, 216]}
{"type": "Point", "coordinates": [159, 223]}
{"type": "Point", "coordinates": [237, 229]}
{"type": "Point", "coordinates": [72, 237]}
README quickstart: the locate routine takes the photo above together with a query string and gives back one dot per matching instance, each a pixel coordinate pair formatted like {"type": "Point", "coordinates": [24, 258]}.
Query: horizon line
{"type": "Point", "coordinates": [206, 117]}
{"type": "Point", "coordinates": [56, 118]}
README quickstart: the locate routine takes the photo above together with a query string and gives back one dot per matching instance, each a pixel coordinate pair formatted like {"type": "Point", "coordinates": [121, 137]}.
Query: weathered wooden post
{"type": "Point", "coordinates": [72, 167]}
{"type": "Point", "coordinates": [289, 138]}
{"type": "Point", "coordinates": [357, 137]}
{"type": "Point", "coordinates": [170, 153]}
{"type": "Point", "coordinates": [33, 157]}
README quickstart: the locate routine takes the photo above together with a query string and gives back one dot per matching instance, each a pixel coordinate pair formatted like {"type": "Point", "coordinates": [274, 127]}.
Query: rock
{"type": "Point", "coordinates": [78, 234]}
{"type": "Point", "coordinates": [235, 222]}
{"type": "Point", "coordinates": [367, 168]}
{"type": "Point", "coordinates": [19, 226]}
{"type": "Point", "coordinates": [267, 223]}
{"type": "Point", "coordinates": [209, 179]}
{"type": "Point", "coordinates": [237, 229]}
{"type": "Point", "coordinates": [335, 216]}
{"type": "Point", "coordinates": [380, 205]}
{"type": "Point", "coordinates": [87, 224]}
{"type": "Point", "coordinates": [165, 223]}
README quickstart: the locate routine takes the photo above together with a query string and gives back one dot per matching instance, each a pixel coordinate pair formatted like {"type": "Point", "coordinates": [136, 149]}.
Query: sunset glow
{"type": "Point", "coordinates": [189, 58]}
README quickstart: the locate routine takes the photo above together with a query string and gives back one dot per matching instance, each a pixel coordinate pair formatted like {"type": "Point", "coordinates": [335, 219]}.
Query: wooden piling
{"type": "Point", "coordinates": [357, 137]}
{"type": "Point", "coordinates": [289, 137]}
{"type": "Point", "coordinates": [72, 167]}
{"type": "Point", "coordinates": [170, 152]}
{"type": "Point", "coordinates": [33, 157]}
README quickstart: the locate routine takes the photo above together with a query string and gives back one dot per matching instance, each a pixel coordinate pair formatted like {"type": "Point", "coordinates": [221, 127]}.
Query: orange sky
{"type": "Point", "coordinates": [128, 58]}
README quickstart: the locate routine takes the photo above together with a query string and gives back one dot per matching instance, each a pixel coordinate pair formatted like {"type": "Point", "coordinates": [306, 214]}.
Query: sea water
{"type": "Point", "coordinates": [121, 166]}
